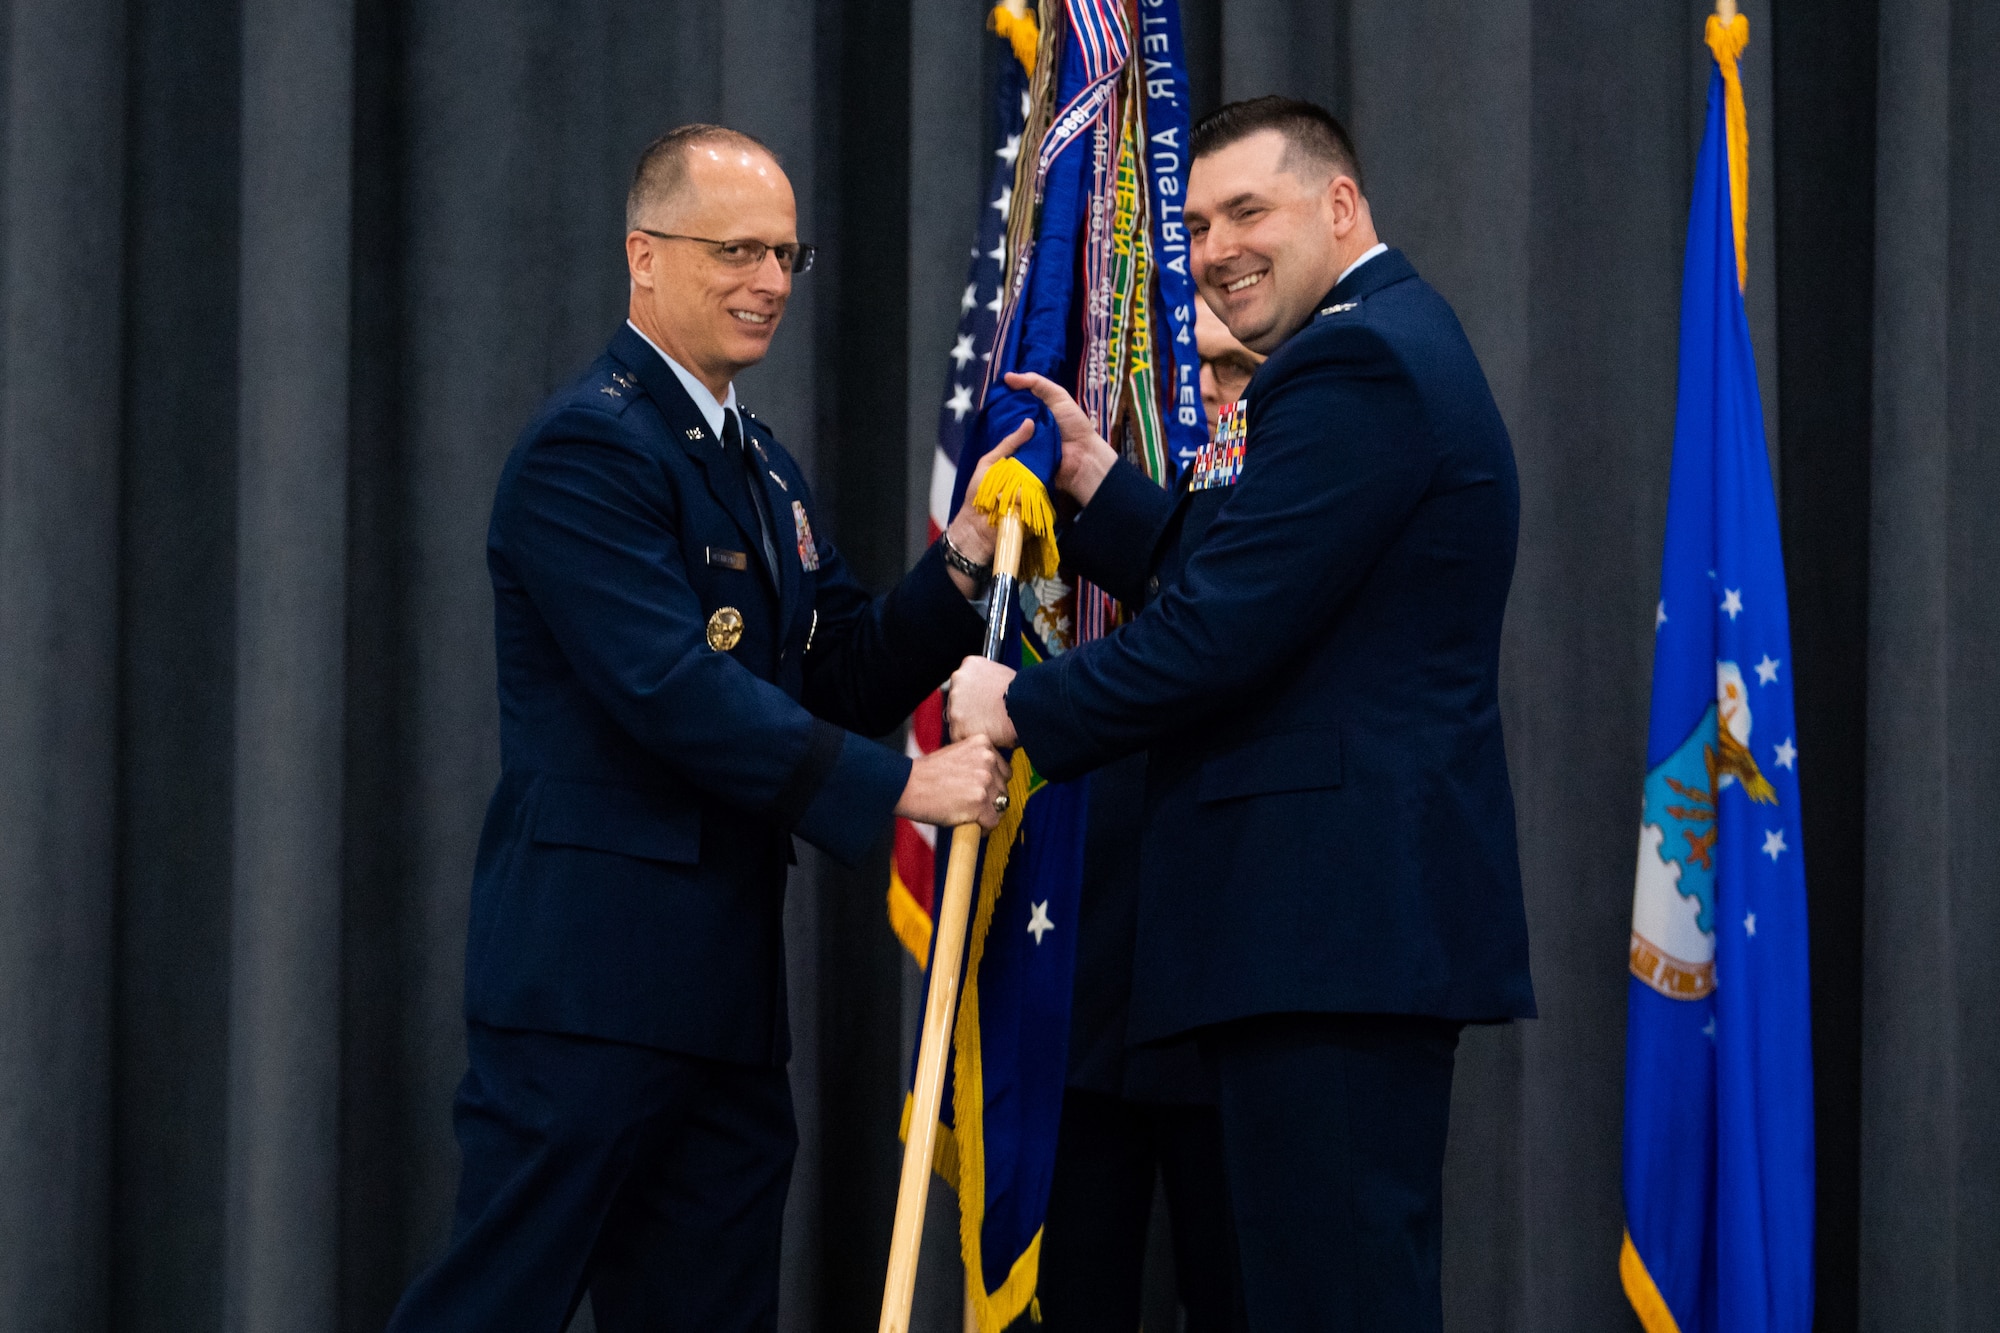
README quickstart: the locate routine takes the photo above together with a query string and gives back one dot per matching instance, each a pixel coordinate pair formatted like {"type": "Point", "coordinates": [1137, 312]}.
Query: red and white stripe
{"type": "Point", "coordinates": [912, 872]}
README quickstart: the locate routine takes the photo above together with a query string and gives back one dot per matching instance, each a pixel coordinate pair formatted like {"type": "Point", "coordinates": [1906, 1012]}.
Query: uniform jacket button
{"type": "Point", "coordinates": [1153, 586]}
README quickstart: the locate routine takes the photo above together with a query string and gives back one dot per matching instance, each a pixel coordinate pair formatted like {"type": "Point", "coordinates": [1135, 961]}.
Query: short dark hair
{"type": "Point", "coordinates": [1313, 135]}
{"type": "Point", "coordinates": [662, 175]}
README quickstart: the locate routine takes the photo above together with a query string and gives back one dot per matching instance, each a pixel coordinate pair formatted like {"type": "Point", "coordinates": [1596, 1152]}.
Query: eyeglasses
{"type": "Point", "coordinates": [792, 257]}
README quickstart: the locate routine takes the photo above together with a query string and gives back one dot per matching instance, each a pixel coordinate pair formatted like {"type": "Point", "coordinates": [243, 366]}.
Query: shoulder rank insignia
{"type": "Point", "coordinates": [1220, 461]}
{"type": "Point", "coordinates": [695, 432]}
{"type": "Point", "coordinates": [725, 628]}
{"type": "Point", "coordinates": [1340, 309]}
{"type": "Point", "coordinates": [608, 391]}
{"type": "Point", "coordinates": [808, 549]}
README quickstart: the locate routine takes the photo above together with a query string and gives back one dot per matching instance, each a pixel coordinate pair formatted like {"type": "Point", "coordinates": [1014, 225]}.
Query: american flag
{"type": "Point", "coordinates": [912, 874]}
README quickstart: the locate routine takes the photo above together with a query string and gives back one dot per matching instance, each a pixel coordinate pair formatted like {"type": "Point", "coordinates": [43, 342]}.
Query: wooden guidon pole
{"type": "Point", "coordinates": [941, 1008]}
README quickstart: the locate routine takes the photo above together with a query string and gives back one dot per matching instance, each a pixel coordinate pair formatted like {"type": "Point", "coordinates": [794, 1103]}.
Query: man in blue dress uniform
{"type": "Point", "coordinates": [1134, 1115]}
{"type": "Point", "coordinates": [684, 662]}
{"type": "Point", "coordinates": [1329, 884]}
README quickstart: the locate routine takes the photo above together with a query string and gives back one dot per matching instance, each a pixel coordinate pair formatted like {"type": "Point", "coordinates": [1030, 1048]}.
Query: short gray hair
{"type": "Point", "coordinates": [662, 175]}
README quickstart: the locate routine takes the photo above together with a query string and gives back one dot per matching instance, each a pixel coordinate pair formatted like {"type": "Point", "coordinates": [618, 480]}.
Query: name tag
{"type": "Point", "coordinates": [1220, 461]}
{"type": "Point", "coordinates": [721, 559]}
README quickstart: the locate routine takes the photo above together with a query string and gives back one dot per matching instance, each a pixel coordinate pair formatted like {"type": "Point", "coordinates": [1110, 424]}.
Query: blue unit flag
{"type": "Point", "coordinates": [1085, 254]}
{"type": "Point", "coordinates": [1718, 1068]}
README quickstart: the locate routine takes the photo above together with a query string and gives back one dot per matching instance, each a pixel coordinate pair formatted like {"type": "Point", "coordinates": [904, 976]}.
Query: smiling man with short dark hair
{"type": "Point", "coordinates": [1329, 885]}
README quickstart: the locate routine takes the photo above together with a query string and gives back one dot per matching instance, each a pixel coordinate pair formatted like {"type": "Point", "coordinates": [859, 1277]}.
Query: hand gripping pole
{"type": "Point", "coordinates": [941, 1007]}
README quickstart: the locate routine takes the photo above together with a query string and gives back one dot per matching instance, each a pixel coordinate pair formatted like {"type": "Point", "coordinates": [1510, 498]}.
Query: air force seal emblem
{"type": "Point", "coordinates": [1673, 899]}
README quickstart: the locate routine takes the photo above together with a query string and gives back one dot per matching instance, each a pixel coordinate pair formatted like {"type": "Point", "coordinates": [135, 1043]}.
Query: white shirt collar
{"type": "Point", "coordinates": [711, 411]}
{"type": "Point", "coordinates": [1370, 253]}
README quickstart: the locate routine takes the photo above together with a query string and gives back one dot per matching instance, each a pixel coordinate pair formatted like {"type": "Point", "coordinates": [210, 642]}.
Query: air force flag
{"type": "Point", "coordinates": [1718, 1064]}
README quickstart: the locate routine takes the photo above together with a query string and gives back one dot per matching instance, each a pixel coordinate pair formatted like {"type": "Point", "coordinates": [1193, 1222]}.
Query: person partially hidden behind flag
{"type": "Point", "coordinates": [1329, 886]}
{"type": "Point", "coordinates": [1131, 1116]}
{"type": "Point", "coordinates": [683, 663]}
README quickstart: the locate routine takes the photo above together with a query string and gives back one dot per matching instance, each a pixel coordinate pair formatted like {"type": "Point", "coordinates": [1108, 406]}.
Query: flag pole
{"type": "Point", "coordinates": [941, 1007]}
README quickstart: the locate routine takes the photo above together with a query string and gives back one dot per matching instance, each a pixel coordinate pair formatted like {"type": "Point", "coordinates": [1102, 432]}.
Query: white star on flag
{"type": "Point", "coordinates": [1006, 198]}
{"type": "Point", "coordinates": [994, 304]}
{"type": "Point", "coordinates": [960, 401]}
{"type": "Point", "coordinates": [1750, 924]}
{"type": "Point", "coordinates": [961, 351]}
{"type": "Point", "coordinates": [1732, 601]}
{"type": "Point", "coordinates": [970, 299]}
{"type": "Point", "coordinates": [1007, 151]}
{"type": "Point", "coordinates": [1039, 923]}
{"type": "Point", "coordinates": [998, 254]}
{"type": "Point", "coordinates": [1767, 671]}
{"type": "Point", "coordinates": [1774, 842]}
{"type": "Point", "coordinates": [1660, 616]}
{"type": "Point", "coordinates": [1786, 753]}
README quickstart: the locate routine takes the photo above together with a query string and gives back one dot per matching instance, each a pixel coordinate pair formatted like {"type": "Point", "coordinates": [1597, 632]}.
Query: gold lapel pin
{"type": "Point", "coordinates": [725, 628]}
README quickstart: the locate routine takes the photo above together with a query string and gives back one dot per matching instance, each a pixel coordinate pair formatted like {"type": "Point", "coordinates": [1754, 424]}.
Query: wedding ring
{"type": "Point", "coordinates": [1000, 803]}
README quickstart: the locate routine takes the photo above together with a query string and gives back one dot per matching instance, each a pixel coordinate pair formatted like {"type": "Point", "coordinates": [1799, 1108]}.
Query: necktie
{"type": "Point", "coordinates": [732, 444]}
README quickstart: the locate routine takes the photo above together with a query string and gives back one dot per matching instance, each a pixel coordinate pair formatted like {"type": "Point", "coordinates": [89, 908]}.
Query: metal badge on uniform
{"type": "Point", "coordinates": [808, 549]}
{"type": "Point", "coordinates": [725, 628]}
{"type": "Point", "coordinates": [1220, 461]}
{"type": "Point", "coordinates": [1341, 308]}
{"type": "Point", "coordinates": [718, 558]}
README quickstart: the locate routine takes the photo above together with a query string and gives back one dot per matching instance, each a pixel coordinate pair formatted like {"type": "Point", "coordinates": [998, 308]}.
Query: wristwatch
{"type": "Point", "coordinates": [960, 561]}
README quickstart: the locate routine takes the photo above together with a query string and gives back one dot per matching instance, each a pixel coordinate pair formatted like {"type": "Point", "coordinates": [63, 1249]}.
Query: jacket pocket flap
{"type": "Point", "coordinates": [625, 820]}
{"type": "Point", "coordinates": [1296, 761]}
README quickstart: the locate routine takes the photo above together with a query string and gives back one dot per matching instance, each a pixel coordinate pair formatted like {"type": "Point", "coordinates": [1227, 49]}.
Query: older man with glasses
{"type": "Point", "coordinates": [684, 665]}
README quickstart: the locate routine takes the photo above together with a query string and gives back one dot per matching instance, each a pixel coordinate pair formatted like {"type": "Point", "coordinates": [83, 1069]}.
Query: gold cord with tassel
{"type": "Point", "coordinates": [1018, 27]}
{"type": "Point", "coordinates": [1009, 484]}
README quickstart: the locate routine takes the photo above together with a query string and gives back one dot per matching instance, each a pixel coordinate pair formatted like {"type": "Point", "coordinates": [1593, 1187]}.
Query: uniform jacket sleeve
{"type": "Point", "coordinates": [873, 659]}
{"type": "Point", "coordinates": [589, 525]}
{"type": "Point", "coordinates": [1112, 539]}
{"type": "Point", "coordinates": [1339, 457]}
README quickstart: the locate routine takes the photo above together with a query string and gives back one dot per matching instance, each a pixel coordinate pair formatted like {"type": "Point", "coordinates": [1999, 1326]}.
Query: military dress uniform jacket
{"type": "Point", "coordinates": [656, 760]}
{"type": "Point", "coordinates": [1328, 823]}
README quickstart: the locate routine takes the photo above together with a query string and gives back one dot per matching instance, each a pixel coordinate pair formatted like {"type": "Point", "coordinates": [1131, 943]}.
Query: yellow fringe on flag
{"type": "Point", "coordinates": [910, 921]}
{"type": "Point", "coordinates": [1009, 485]}
{"type": "Point", "coordinates": [1726, 41]}
{"type": "Point", "coordinates": [1647, 1303]}
{"type": "Point", "coordinates": [1018, 27]}
{"type": "Point", "coordinates": [968, 1079]}
{"type": "Point", "coordinates": [960, 1156]}
{"type": "Point", "coordinates": [944, 1157]}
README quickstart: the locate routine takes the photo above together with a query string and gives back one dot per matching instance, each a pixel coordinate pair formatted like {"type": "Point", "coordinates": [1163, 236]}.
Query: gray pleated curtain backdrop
{"type": "Point", "coordinates": [281, 281]}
